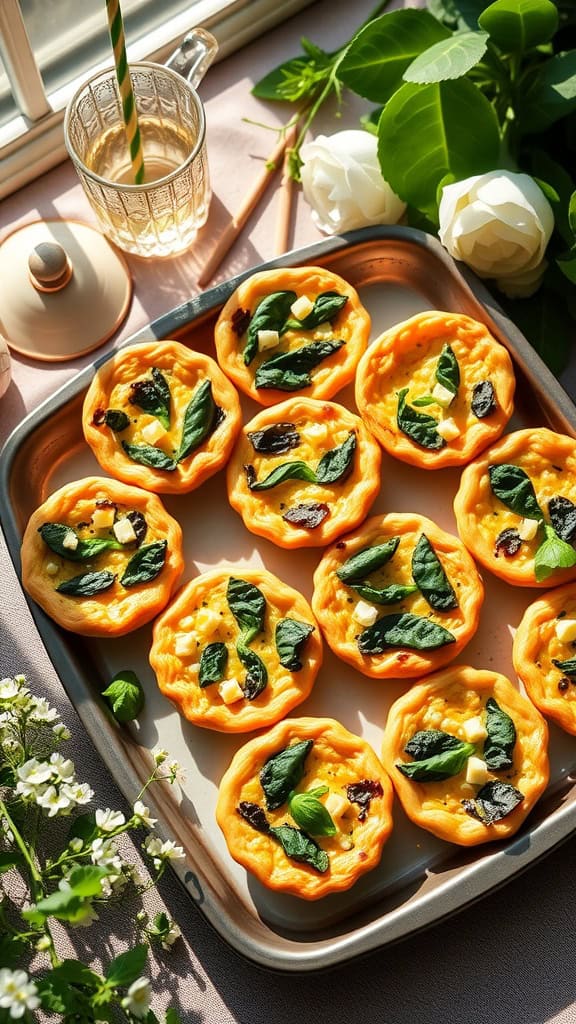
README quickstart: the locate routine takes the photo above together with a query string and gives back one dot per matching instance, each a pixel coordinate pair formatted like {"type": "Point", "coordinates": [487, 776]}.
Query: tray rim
{"type": "Point", "coordinates": [113, 746]}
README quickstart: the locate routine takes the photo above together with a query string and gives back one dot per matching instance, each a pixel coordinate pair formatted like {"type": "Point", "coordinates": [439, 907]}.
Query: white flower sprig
{"type": "Point", "coordinates": [38, 783]}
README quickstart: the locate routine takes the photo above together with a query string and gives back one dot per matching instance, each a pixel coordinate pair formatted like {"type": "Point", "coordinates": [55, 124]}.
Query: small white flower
{"type": "Point", "coordinates": [169, 851]}
{"type": "Point", "coordinates": [109, 820]}
{"type": "Point", "coordinates": [153, 846]}
{"type": "Point", "coordinates": [77, 792]}
{"type": "Point", "coordinates": [136, 876]}
{"type": "Point", "coordinates": [137, 1000]}
{"type": "Point", "coordinates": [159, 756]}
{"type": "Point", "coordinates": [17, 993]}
{"type": "Point", "coordinates": [10, 745]}
{"type": "Point", "coordinates": [142, 813]}
{"type": "Point", "coordinates": [42, 712]}
{"type": "Point", "coordinates": [61, 732]}
{"type": "Point", "coordinates": [105, 854]}
{"type": "Point", "coordinates": [34, 772]}
{"type": "Point", "coordinates": [8, 689]}
{"type": "Point", "coordinates": [29, 791]}
{"type": "Point", "coordinates": [54, 801]}
{"type": "Point", "coordinates": [62, 767]}
{"type": "Point", "coordinates": [172, 934]}
{"type": "Point", "coordinates": [76, 844]}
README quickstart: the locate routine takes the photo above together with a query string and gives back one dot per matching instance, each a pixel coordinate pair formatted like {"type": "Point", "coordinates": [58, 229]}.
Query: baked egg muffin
{"type": "Point", "coordinates": [544, 655]}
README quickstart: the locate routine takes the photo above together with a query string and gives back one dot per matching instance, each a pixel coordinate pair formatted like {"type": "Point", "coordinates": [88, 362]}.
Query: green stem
{"type": "Point", "coordinates": [35, 876]}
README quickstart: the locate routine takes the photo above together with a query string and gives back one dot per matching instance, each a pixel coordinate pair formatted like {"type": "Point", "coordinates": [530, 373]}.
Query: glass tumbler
{"type": "Point", "coordinates": [160, 217]}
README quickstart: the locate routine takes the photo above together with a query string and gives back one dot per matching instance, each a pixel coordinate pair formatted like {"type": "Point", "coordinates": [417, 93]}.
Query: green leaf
{"type": "Point", "coordinates": [379, 54]}
{"type": "Point", "coordinates": [275, 439]}
{"type": "Point", "coordinates": [310, 814]}
{"type": "Point", "coordinates": [74, 972]}
{"type": "Point", "coordinates": [448, 59]}
{"type": "Point", "coordinates": [437, 756]}
{"type": "Point", "coordinates": [568, 267]}
{"type": "Point", "coordinates": [126, 967]}
{"type": "Point", "coordinates": [325, 308]}
{"type": "Point", "coordinates": [447, 371]}
{"type": "Point", "coordinates": [428, 131]}
{"type": "Point", "coordinates": [290, 371]}
{"type": "Point", "coordinates": [296, 470]}
{"type": "Point", "coordinates": [544, 168]}
{"type": "Point", "coordinates": [282, 772]}
{"type": "Point", "coordinates": [270, 86]}
{"type": "Point", "coordinates": [117, 420]}
{"type": "Point", "coordinates": [501, 739]}
{"type": "Point", "coordinates": [200, 420]}
{"type": "Point", "coordinates": [427, 743]}
{"type": "Point", "coordinates": [553, 553]}
{"type": "Point", "coordinates": [213, 662]}
{"type": "Point", "coordinates": [290, 637]}
{"type": "Point", "coordinates": [493, 801]}
{"type": "Point", "coordinates": [54, 534]}
{"type": "Point", "coordinates": [567, 667]}
{"type": "Point", "coordinates": [270, 314]}
{"type": "Point", "coordinates": [457, 14]}
{"type": "Point", "coordinates": [514, 488]}
{"type": "Point", "coordinates": [86, 879]}
{"type": "Point", "coordinates": [429, 575]}
{"type": "Point", "coordinates": [546, 321]}
{"type": "Point", "coordinates": [256, 671]}
{"type": "Point", "coordinates": [87, 584]}
{"type": "Point", "coordinates": [336, 465]}
{"type": "Point", "coordinates": [516, 26]}
{"type": "Point", "coordinates": [359, 566]}
{"type": "Point", "coordinates": [152, 395]}
{"type": "Point", "coordinates": [63, 904]}
{"type": "Point", "coordinates": [171, 1016]}
{"type": "Point", "coordinates": [148, 455]}
{"type": "Point", "coordinates": [391, 594]}
{"type": "Point", "coordinates": [125, 696]}
{"type": "Point", "coordinates": [146, 564]}
{"type": "Point", "coordinates": [12, 947]}
{"type": "Point", "coordinates": [83, 827]}
{"type": "Point", "coordinates": [551, 93]}
{"type": "Point", "coordinates": [9, 859]}
{"type": "Point", "coordinates": [247, 604]}
{"type": "Point", "coordinates": [299, 847]}
{"type": "Point", "coordinates": [418, 426]}
{"type": "Point", "coordinates": [58, 996]}
{"type": "Point", "coordinates": [572, 213]}
{"type": "Point", "coordinates": [402, 629]}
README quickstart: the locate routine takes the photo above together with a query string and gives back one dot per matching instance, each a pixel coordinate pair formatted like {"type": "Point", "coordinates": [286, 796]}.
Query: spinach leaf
{"type": "Point", "coordinates": [336, 464]}
{"type": "Point", "coordinates": [87, 584]}
{"type": "Point", "coordinates": [563, 517]}
{"type": "Point", "coordinates": [368, 560]}
{"type": "Point", "coordinates": [282, 772]}
{"type": "Point", "coordinates": [493, 801]}
{"type": "Point", "coordinates": [499, 743]}
{"type": "Point", "coordinates": [447, 370]}
{"type": "Point", "coordinates": [213, 661]}
{"type": "Point", "coordinates": [152, 395]}
{"type": "Point", "coordinates": [299, 847]}
{"type": "Point", "coordinates": [287, 471]}
{"type": "Point", "coordinates": [290, 637]}
{"type": "Point", "coordinates": [444, 765]}
{"type": "Point", "coordinates": [200, 420]}
{"type": "Point", "coordinates": [290, 371]}
{"type": "Point", "coordinates": [568, 667]}
{"type": "Point", "coordinates": [247, 604]}
{"type": "Point", "coordinates": [53, 535]}
{"type": "Point", "coordinates": [429, 575]}
{"type": "Point", "coordinates": [402, 629]}
{"type": "Point", "coordinates": [256, 672]}
{"type": "Point", "coordinates": [428, 742]}
{"type": "Point", "coordinates": [309, 514]}
{"type": "Point", "coordinates": [514, 488]}
{"type": "Point", "coordinates": [145, 564]}
{"type": "Point", "coordinates": [418, 426]}
{"type": "Point", "coordinates": [310, 814]}
{"type": "Point", "coordinates": [125, 696]}
{"type": "Point", "coordinates": [275, 439]}
{"type": "Point", "coordinates": [270, 314]}
{"type": "Point", "coordinates": [483, 399]}
{"type": "Point", "coordinates": [553, 553]}
{"type": "Point", "coordinates": [148, 455]}
{"type": "Point", "coordinates": [326, 306]}
{"type": "Point", "coordinates": [254, 815]}
{"type": "Point", "coordinates": [391, 594]}
{"type": "Point", "coordinates": [116, 419]}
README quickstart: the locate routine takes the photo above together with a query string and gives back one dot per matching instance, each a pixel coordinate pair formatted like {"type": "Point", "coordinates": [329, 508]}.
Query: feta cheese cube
{"type": "Point", "coordinates": [528, 528]}
{"type": "Point", "coordinates": [207, 621]}
{"type": "Point", "coordinates": [124, 531]}
{"type": "Point", "coordinates": [301, 307]}
{"type": "Point", "coordinates": [267, 339]}
{"type": "Point", "coordinates": [230, 691]}
{"type": "Point", "coordinates": [476, 771]}
{"type": "Point", "coordinates": [365, 614]}
{"type": "Point", "coordinates": [152, 432]}
{"type": "Point", "coordinates": [103, 518]}
{"type": "Point", "coordinates": [70, 540]}
{"type": "Point", "coordinates": [51, 568]}
{"type": "Point", "coordinates": [324, 331]}
{"type": "Point", "coordinates": [315, 432]}
{"type": "Point", "coordinates": [337, 806]}
{"type": "Point", "coordinates": [443, 396]}
{"type": "Point", "coordinates": [474, 730]}
{"type": "Point", "coordinates": [566, 630]}
{"type": "Point", "coordinates": [448, 429]}
{"type": "Point", "coordinates": [185, 645]}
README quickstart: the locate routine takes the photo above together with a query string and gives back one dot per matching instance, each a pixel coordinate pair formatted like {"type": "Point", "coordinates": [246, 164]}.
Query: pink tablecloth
{"type": "Point", "coordinates": [509, 958]}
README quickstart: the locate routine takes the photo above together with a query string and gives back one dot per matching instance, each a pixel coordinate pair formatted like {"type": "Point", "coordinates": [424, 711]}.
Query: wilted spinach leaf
{"type": "Point", "coordinates": [296, 470]}
{"type": "Point", "coordinates": [493, 801]}
{"type": "Point", "coordinates": [270, 314]}
{"type": "Point", "coordinates": [402, 629]}
{"type": "Point", "coordinates": [448, 761]}
{"type": "Point", "coordinates": [428, 742]}
{"type": "Point", "coordinates": [213, 661]}
{"type": "Point", "coordinates": [290, 371]}
{"type": "Point", "coordinates": [53, 535]}
{"type": "Point", "coordinates": [282, 772]}
{"type": "Point", "coordinates": [275, 439]}
{"type": "Point", "coordinates": [356, 568]}
{"type": "Point", "coordinates": [429, 574]}
{"type": "Point", "coordinates": [336, 464]}
{"type": "Point", "coordinates": [145, 564]}
{"type": "Point", "coordinates": [418, 426]}
{"type": "Point", "coordinates": [290, 637]}
{"type": "Point", "coordinates": [301, 848]}
{"type": "Point", "coordinates": [148, 455]}
{"type": "Point", "coordinates": [200, 420]}
{"type": "Point", "coordinates": [87, 584]}
{"type": "Point", "coordinates": [447, 370]}
{"type": "Point", "coordinates": [116, 419]}
{"type": "Point", "coordinates": [247, 604]}
{"type": "Point", "coordinates": [514, 488]}
{"type": "Point", "coordinates": [391, 594]}
{"type": "Point", "coordinates": [567, 667]}
{"type": "Point", "coordinates": [256, 672]}
{"type": "Point", "coordinates": [499, 744]}
{"type": "Point", "coordinates": [326, 306]}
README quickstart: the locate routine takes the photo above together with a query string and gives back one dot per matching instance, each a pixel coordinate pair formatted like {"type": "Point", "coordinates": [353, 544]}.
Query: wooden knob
{"type": "Point", "coordinates": [49, 266]}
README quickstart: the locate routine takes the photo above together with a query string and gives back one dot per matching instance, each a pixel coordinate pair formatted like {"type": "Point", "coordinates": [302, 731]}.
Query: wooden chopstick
{"type": "Point", "coordinates": [286, 192]}
{"type": "Point", "coordinates": [251, 199]}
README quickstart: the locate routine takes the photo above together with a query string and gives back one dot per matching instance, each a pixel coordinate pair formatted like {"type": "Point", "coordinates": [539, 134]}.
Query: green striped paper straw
{"type": "Point", "coordinates": [116, 27]}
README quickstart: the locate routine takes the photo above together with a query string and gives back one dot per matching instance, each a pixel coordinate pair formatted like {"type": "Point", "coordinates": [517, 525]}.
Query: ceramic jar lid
{"type": "Point", "coordinates": [65, 290]}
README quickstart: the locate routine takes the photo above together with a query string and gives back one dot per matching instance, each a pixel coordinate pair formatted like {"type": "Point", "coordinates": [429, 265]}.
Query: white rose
{"type": "Point", "coordinates": [499, 224]}
{"type": "Point", "coordinates": [343, 183]}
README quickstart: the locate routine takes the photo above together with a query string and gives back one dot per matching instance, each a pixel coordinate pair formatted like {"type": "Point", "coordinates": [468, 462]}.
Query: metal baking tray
{"type": "Point", "coordinates": [420, 880]}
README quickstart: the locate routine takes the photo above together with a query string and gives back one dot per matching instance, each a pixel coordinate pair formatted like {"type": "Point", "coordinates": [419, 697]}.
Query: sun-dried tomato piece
{"type": "Point", "coordinates": [308, 514]}
{"type": "Point", "coordinates": [254, 815]}
{"type": "Point", "coordinates": [507, 543]}
{"type": "Point", "coordinates": [240, 320]}
{"type": "Point", "coordinates": [362, 793]}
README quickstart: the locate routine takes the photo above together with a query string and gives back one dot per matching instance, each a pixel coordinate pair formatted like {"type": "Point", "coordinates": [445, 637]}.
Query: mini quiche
{"type": "Point", "coordinates": [236, 651]}
{"type": "Point", "coordinates": [303, 472]}
{"type": "Point", "coordinates": [101, 558]}
{"type": "Point", "coordinates": [467, 754]}
{"type": "Point", "coordinates": [516, 508]}
{"type": "Point", "coordinates": [161, 416]}
{"type": "Point", "coordinates": [544, 655]}
{"type": "Point", "coordinates": [436, 389]}
{"type": "Point", "coordinates": [398, 598]}
{"type": "Point", "coordinates": [300, 329]}
{"type": "Point", "coordinates": [306, 807]}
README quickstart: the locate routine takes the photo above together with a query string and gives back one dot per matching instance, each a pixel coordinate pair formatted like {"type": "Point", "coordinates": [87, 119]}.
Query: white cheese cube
{"type": "Point", "coordinates": [566, 630]}
{"type": "Point", "coordinates": [51, 568]}
{"type": "Point", "coordinates": [124, 531]}
{"type": "Point", "coordinates": [338, 806]}
{"type": "Point", "coordinates": [344, 842]}
{"type": "Point", "coordinates": [301, 307]}
{"type": "Point", "coordinates": [528, 528]}
{"type": "Point", "coordinates": [443, 396]}
{"type": "Point", "coordinates": [365, 614]}
{"type": "Point", "coordinates": [315, 432]}
{"type": "Point", "coordinates": [230, 691]}
{"type": "Point", "coordinates": [267, 339]}
{"type": "Point", "coordinates": [323, 331]}
{"type": "Point", "coordinates": [476, 771]}
{"type": "Point", "coordinates": [185, 645]}
{"type": "Point", "coordinates": [70, 540]}
{"type": "Point", "coordinates": [207, 621]}
{"type": "Point", "coordinates": [103, 518]}
{"type": "Point", "coordinates": [474, 730]}
{"type": "Point", "coordinates": [152, 432]}
{"type": "Point", "coordinates": [448, 429]}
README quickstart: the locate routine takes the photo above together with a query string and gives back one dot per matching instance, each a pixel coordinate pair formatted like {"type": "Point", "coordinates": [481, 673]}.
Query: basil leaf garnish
{"type": "Point", "coordinates": [326, 306]}
{"type": "Point", "coordinates": [514, 488]}
{"type": "Point", "coordinates": [563, 517]}
{"type": "Point", "coordinates": [152, 395]}
{"type": "Point", "coordinates": [87, 584]}
{"type": "Point", "coordinates": [148, 455]}
{"type": "Point", "coordinates": [391, 594]}
{"type": "Point", "coordinates": [200, 420]}
{"type": "Point", "coordinates": [299, 847]}
{"type": "Point", "coordinates": [290, 637]}
{"type": "Point", "coordinates": [287, 471]}
{"type": "Point", "coordinates": [256, 672]}
{"type": "Point", "coordinates": [282, 772]}
{"type": "Point", "coordinates": [493, 801]}
{"type": "Point", "coordinates": [568, 667]}
{"type": "Point", "coordinates": [437, 755]}
{"type": "Point", "coordinates": [310, 814]}
{"type": "Point", "coordinates": [125, 696]}
{"type": "Point", "coordinates": [402, 629]}
{"type": "Point", "coordinates": [418, 426]}
{"type": "Point", "coordinates": [145, 564]}
{"type": "Point", "coordinates": [447, 370]}
{"type": "Point", "coordinates": [254, 815]}
{"type": "Point", "coordinates": [483, 399]}
{"type": "Point", "coordinates": [553, 553]}
{"type": "Point", "coordinates": [53, 535]}
{"type": "Point", "coordinates": [429, 574]}
{"type": "Point", "coordinates": [356, 568]}
{"type": "Point", "coordinates": [275, 439]}
{"type": "Point", "coordinates": [213, 661]}
{"type": "Point", "coordinates": [290, 371]}
{"type": "Point", "coordinates": [336, 464]}
{"type": "Point", "coordinates": [117, 420]}
{"type": "Point", "coordinates": [270, 314]}
{"type": "Point", "coordinates": [499, 743]}
{"type": "Point", "coordinates": [309, 514]}
{"type": "Point", "coordinates": [247, 604]}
